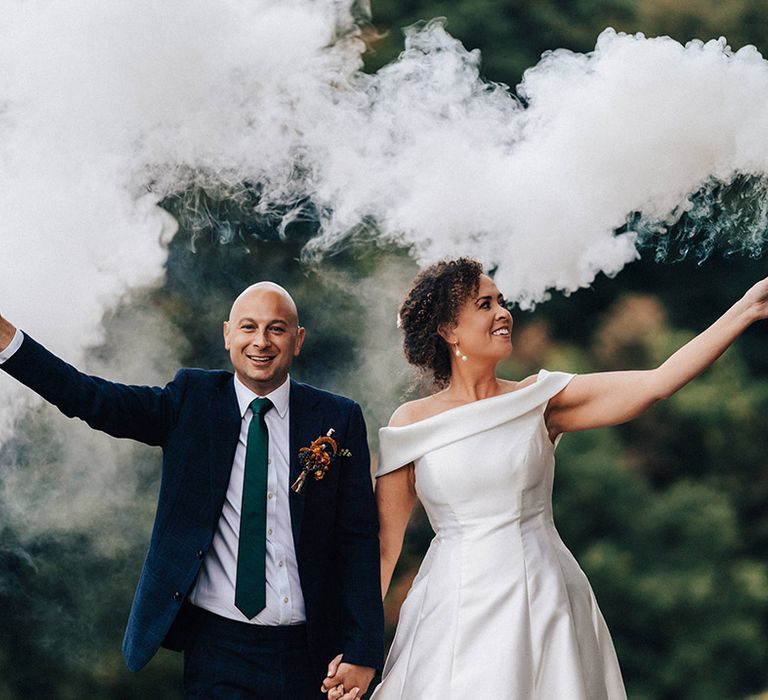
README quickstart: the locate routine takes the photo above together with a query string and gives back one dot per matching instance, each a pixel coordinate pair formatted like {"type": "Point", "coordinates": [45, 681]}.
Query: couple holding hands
{"type": "Point", "coordinates": [271, 553]}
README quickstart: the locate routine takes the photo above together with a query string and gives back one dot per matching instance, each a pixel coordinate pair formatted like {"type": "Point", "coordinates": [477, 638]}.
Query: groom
{"type": "Point", "coordinates": [260, 585]}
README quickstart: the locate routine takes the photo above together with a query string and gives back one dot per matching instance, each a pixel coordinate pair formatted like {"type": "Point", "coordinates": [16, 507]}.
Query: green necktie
{"type": "Point", "coordinates": [251, 586]}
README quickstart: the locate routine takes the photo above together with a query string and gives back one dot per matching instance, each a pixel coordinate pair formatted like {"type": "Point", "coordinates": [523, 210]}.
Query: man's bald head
{"type": "Point", "coordinates": [269, 289]}
{"type": "Point", "coordinates": [263, 336]}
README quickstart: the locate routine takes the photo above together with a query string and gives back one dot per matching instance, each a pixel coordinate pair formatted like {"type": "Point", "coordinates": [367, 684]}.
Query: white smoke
{"type": "Point", "coordinates": [109, 106]}
{"type": "Point", "coordinates": [98, 99]}
{"type": "Point", "coordinates": [106, 107]}
{"type": "Point", "coordinates": [452, 165]}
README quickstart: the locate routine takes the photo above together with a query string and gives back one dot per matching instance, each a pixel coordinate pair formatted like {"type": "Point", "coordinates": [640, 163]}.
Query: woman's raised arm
{"type": "Point", "coordinates": [609, 398]}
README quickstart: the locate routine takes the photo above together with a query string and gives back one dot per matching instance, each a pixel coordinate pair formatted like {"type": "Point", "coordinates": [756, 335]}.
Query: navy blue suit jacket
{"type": "Point", "coordinates": [196, 420]}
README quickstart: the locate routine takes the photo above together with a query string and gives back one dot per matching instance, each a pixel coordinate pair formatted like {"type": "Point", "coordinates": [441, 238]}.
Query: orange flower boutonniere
{"type": "Point", "coordinates": [317, 458]}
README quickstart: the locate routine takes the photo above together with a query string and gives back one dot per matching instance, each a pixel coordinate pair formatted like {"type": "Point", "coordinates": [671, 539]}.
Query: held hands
{"type": "Point", "coordinates": [338, 693]}
{"type": "Point", "coordinates": [346, 681]}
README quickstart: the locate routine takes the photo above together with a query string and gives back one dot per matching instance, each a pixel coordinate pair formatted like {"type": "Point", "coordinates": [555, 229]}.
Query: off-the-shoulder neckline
{"type": "Point", "coordinates": [468, 404]}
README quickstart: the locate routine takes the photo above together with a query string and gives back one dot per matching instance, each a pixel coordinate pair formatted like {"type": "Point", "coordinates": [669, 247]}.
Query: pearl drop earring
{"type": "Point", "coordinates": [458, 353]}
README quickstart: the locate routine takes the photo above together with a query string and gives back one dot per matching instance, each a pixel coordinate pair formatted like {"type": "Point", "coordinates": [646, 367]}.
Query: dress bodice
{"type": "Point", "coordinates": [482, 465]}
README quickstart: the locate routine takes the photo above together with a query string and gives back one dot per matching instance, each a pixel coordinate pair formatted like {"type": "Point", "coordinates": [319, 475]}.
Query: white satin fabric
{"type": "Point", "coordinates": [499, 608]}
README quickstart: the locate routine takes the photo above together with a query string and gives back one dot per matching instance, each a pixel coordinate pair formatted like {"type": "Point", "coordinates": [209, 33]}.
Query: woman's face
{"type": "Point", "coordinates": [484, 326]}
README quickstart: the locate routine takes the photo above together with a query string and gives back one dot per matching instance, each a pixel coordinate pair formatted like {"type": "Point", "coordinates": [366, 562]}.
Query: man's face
{"type": "Point", "coordinates": [263, 336]}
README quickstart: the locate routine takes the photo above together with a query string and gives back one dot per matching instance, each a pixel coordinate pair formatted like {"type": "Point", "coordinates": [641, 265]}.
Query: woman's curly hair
{"type": "Point", "coordinates": [434, 301]}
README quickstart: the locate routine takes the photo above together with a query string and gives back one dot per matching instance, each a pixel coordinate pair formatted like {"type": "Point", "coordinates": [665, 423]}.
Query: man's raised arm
{"type": "Point", "coordinates": [143, 413]}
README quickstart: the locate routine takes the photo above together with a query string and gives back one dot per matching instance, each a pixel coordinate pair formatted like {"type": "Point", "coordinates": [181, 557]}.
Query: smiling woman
{"type": "Point", "coordinates": [263, 336]}
{"type": "Point", "coordinates": [433, 307]}
{"type": "Point", "coordinates": [500, 608]}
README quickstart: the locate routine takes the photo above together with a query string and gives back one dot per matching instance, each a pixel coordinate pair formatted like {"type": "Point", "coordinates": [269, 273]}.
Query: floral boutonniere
{"type": "Point", "coordinates": [317, 458]}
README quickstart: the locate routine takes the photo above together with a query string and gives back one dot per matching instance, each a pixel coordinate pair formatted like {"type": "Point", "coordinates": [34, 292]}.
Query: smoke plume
{"type": "Point", "coordinates": [107, 108]}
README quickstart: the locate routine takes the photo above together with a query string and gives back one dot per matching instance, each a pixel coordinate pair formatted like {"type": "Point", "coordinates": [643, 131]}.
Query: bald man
{"type": "Point", "coordinates": [261, 586]}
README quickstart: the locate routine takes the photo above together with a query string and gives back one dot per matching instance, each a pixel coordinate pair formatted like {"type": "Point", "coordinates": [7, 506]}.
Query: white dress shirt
{"type": "Point", "coordinates": [214, 589]}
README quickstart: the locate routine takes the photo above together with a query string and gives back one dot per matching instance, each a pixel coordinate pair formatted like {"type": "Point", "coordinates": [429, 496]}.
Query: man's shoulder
{"type": "Point", "coordinates": [322, 396]}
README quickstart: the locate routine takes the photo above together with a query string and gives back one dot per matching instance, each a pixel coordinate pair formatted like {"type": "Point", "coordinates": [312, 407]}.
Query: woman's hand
{"type": "Point", "coordinates": [756, 299]}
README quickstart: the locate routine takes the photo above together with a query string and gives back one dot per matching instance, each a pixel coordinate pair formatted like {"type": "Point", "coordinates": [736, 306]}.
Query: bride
{"type": "Point", "coordinates": [500, 609]}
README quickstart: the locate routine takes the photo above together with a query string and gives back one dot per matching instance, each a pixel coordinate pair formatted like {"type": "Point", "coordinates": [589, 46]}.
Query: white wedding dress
{"type": "Point", "coordinates": [499, 609]}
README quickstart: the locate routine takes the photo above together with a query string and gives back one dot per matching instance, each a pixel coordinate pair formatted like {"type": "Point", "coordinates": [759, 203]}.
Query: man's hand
{"type": "Point", "coordinates": [7, 331]}
{"type": "Point", "coordinates": [347, 681]}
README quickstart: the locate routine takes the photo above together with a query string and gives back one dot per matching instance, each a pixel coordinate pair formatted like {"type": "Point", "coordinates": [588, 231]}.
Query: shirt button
{"type": "Point", "coordinates": [269, 532]}
{"type": "Point", "coordinates": [279, 563]}
{"type": "Point", "coordinates": [270, 494]}
{"type": "Point", "coordinates": [285, 600]}
{"type": "Point", "coordinates": [269, 461]}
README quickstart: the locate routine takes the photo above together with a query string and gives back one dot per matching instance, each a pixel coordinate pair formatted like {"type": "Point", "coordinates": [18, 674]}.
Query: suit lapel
{"type": "Point", "coordinates": [304, 426]}
{"type": "Point", "coordinates": [226, 432]}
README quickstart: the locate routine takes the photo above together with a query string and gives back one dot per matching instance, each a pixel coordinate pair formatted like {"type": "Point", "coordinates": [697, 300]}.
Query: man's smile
{"type": "Point", "coordinates": [260, 359]}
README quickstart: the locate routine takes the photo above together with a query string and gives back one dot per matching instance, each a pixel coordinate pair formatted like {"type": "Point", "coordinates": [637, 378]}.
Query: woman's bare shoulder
{"type": "Point", "coordinates": [415, 411]}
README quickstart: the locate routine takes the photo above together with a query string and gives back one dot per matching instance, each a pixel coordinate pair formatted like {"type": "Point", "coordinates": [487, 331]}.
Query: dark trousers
{"type": "Point", "coordinates": [229, 660]}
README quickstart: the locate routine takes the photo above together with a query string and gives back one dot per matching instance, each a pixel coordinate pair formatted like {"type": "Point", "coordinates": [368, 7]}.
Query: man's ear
{"type": "Point", "coordinates": [300, 335]}
{"type": "Point", "coordinates": [226, 335]}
